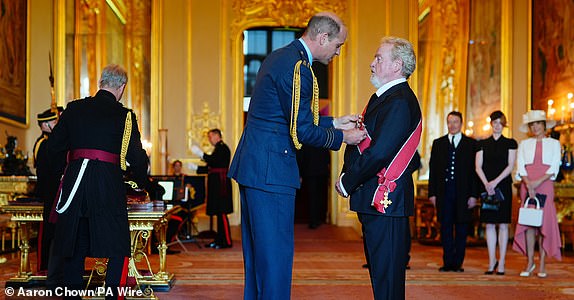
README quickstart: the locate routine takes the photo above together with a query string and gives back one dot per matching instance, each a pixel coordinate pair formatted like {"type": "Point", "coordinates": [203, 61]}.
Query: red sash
{"type": "Point", "coordinates": [388, 176]}
{"type": "Point", "coordinates": [365, 143]}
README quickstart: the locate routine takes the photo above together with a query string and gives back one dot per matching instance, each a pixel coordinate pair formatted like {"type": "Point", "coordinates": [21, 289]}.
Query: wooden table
{"type": "Point", "coordinates": [142, 221]}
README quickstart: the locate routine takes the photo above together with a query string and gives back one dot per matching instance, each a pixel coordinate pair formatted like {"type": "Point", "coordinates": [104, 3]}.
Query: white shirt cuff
{"type": "Point", "coordinates": [341, 187]}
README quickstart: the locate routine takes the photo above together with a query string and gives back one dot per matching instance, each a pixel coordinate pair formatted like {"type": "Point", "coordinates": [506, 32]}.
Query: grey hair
{"type": "Point", "coordinates": [113, 76]}
{"type": "Point", "coordinates": [403, 50]}
{"type": "Point", "coordinates": [323, 22]}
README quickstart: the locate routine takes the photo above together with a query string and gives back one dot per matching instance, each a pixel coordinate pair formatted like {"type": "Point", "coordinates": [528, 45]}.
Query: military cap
{"type": "Point", "coordinates": [48, 115]}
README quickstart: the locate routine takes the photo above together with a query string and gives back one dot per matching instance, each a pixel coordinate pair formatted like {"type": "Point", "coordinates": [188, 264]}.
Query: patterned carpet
{"type": "Point", "coordinates": [328, 262]}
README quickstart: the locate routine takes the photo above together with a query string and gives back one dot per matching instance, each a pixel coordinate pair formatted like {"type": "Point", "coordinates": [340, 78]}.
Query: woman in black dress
{"type": "Point", "coordinates": [495, 158]}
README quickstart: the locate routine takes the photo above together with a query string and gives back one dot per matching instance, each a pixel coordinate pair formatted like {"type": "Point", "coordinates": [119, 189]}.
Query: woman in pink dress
{"type": "Point", "coordinates": [538, 163]}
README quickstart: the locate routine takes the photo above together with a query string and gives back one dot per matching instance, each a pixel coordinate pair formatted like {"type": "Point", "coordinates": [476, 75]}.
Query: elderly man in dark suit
{"type": "Point", "coordinates": [453, 189]}
{"type": "Point", "coordinates": [377, 172]}
{"type": "Point", "coordinates": [283, 115]}
{"type": "Point", "coordinates": [100, 137]}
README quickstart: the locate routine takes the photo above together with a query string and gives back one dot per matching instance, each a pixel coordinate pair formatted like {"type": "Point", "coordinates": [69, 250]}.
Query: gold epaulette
{"type": "Point", "coordinates": [37, 147]}
{"type": "Point", "coordinates": [296, 100]}
{"type": "Point", "coordinates": [126, 141]}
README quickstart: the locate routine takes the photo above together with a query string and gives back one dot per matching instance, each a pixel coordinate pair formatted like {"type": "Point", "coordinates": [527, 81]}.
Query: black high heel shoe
{"type": "Point", "coordinates": [490, 272]}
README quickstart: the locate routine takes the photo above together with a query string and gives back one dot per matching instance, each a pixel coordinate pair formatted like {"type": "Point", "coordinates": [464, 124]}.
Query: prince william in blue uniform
{"type": "Point", "coordinates": [283, 115]}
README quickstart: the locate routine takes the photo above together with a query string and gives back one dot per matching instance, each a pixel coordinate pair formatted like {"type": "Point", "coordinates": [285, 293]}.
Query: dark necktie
{"type": "Point", "coordinates": [452, 142]}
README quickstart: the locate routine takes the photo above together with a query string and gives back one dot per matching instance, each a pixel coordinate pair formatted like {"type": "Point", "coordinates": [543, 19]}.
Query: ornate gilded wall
{"type": "Point", "coordinates": [443, 40]}
{"type": "Point", "coordinates": [100, 32]}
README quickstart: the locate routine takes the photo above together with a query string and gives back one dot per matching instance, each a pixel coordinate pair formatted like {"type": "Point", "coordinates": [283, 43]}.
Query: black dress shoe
{"type": "Point", "coordinates": [210, 245]}
{"type": "Point", "coordinates": [366, 266]}
{"type": "Point", "coordinates": [314, 225]}
{"type": "Point", "coordinates": [490, 272]}
{"type": "Point", "coordinates": [217, 246]}
{"type": "Point", "coordinates": [445, 269]}
{"type": "Point", "coordinates": [459, 269]}
{"type": "Point", "coordinates": [499, 273]}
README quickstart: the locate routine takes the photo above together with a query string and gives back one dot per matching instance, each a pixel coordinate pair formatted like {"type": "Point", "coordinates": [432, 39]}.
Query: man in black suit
{"type": "Point", "coordinates": [379, 169]}
{"type": "Point", "coordinates": [453, 189]}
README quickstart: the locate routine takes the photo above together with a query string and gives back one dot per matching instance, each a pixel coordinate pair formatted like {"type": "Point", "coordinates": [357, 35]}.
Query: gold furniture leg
{"type": "Point", "coordinates": [24, 272]}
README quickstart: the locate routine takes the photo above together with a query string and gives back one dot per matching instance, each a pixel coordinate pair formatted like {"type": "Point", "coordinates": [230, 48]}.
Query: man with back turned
{"type": "Point", "coordinates": [101, 137]}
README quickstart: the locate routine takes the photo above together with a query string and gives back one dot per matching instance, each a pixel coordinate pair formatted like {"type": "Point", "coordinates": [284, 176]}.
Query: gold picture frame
{"type": "Point", "coordinates": [14, 69]}
{"type": "Point", "coordinates": [552, 46]}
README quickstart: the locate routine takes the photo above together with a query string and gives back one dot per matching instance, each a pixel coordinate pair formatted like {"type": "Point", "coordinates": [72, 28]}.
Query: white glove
{"type": "Point", "coordinates": [197, 151]}
{"type": "Point", "coordinates": [192, 166]}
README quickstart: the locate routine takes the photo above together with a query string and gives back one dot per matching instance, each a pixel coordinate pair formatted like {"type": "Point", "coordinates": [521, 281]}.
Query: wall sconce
{"type": "Point", "coordinates": [469, 131]}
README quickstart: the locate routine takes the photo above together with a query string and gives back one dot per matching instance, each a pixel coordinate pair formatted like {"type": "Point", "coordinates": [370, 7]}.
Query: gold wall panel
{"type": "Point", "coordinates": [98, 33]}
{"type": "Point", "coordinates": [443, 42]}
{"type": "Point", "coordinates": [444, 62]}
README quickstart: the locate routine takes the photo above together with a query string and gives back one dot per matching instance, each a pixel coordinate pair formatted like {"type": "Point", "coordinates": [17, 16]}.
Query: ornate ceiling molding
{"type": "Point", "coordinates": [290, 13]}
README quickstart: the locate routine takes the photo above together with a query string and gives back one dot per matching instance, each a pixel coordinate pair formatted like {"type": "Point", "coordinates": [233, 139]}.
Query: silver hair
{"type": "Point", "coordinates": [403, 50]}
{"type": "Point", "coordinates": [113, 76]}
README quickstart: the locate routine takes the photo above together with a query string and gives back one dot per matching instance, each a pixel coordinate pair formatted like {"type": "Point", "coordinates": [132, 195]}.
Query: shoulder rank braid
{"type": "Point", "coordinates": [37, 147]}
{"type": "Point", "coordinates": [126, 141]}
{"type": "Point", "coordinates": [296, 100]}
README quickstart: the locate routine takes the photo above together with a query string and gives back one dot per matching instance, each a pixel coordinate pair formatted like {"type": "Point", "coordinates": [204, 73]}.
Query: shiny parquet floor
{"type": "Point", "coordinates": [328, 262]}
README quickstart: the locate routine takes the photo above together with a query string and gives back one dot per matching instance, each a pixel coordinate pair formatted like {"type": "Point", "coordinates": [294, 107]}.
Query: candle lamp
{"type": "Point", "coordinates": [567, 118]}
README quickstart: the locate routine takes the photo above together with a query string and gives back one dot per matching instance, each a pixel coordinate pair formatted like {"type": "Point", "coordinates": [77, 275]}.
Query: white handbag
{"type": "Point", "coordinates": [530, 216]}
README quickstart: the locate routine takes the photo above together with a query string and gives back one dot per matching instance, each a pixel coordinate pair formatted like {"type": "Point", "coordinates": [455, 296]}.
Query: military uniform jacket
{"type": "Point", "coordinates": [465, 175]}
{"type": "Point", "coordinates": [47, 180]}
{"type": "Point", "coordinates": [219, 191]}
{"type": "Point", "coordinates": [265, 156]}
{"type": "Point", "coordinates": [390, 119]}
{"type": "Point", "coordinates": [96, 123]}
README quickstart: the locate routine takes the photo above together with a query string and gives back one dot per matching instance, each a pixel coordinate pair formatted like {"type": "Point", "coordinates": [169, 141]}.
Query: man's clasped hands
{"type": "Point", "coordinates": [353, 130]}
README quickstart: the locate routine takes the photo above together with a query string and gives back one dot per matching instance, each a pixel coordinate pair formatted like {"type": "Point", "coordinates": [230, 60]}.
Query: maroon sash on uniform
{"type": "Point", "coordinates": [92, 154]}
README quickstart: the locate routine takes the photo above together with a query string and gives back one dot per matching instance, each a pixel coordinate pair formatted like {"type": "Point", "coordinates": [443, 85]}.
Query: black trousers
{"type": "Point", "coordinates": [387, 243]}
{"type": "Point", "coordinates": [223, 237]}
{"type": "Point", "coordinates": [55, 275]}
{"type": "Point", "coordinates": [316, 191]}
{"type": "Point", "coordinates": [453, 234]}
{"type": "Point", "coordinates": [116, 272]}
